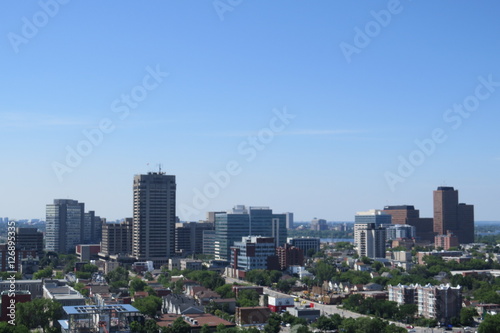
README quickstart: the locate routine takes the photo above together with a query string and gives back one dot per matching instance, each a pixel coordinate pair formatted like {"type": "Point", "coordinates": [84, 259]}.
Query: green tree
{"type": "Point", "coordinates": [137, 284]}
{"type": "Point", "coordinates": [180, 326]}
{"type": "Point", "coordinates": [205, 329]}
{"type": "Point", "coordinates": [300, 329]}
{"type": "Point", "coordinates": [285, 285]}
{"type": "Point", "coordinates": [118, 274]}
{"type": "Point", "coordinates": [324, 323]}
{"type": "Point", "coordinates": [44, 273]}
{"type": "Point", "coordinates": [148, 305]}
{"type": "Point", "coordinates": [39, 312]}
{"type": "Point", "coordinates": [323, 271]}
{"type": "Point", "coordinates": [490, 324]}
{"type": "Point", "coordinates": [80, 287]}
{"type": "Point", "coordinates": [273, 324]}
{"type": "Point", "coordinates": [248, 298]}
{"type": "Point", "coordinates": [467, 316]}
{"type": "Point", "coordinates": [225, 291]}
{"type": "Point", "coordinates": [8, 328]}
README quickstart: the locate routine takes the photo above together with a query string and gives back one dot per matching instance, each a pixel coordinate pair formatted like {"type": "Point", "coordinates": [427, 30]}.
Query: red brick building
{"type": "Point", "coordinates": [290, 256]}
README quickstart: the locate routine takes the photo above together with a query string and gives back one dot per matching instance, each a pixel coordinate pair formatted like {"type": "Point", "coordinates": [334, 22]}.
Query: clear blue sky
{"type": "Point", "coordinates": [359, 103]}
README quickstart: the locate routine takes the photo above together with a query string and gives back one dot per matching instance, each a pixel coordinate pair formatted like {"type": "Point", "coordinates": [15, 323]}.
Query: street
{"type": "Point", "coordinates": [332, 309]}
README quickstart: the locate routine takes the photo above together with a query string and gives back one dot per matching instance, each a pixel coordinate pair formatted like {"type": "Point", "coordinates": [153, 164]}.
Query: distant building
{"type": "Point", "coordinates": [446, 241]}
{"type": "Point", "coordinates": [452, 216]}
{"type": "Point", "coordinates": [64, 225]}
{"type": "Point", "coordinates": [309, 314]}
{"type": "Point", "coordinates": [35, 287]}
{"type": "Point", "coordinates": [441, 302]}
{"type": "Point", "coordinates": [252, 316]}
{"type": "Point", "coordinates": [209, 242]}
{"type": "Point", "coordinates": [189, 237]}
{"type": "Point", "coordinates": [442, 254]}
{"type": "Point", "coordinates": [9, 300]}
{"type": "Point", "coordinates": [92, 230]}
{"type": "Point", "coordinates": [396, 231]}
{"type": "Point", "coordinates": [318, 225]}
{"type": "Point", "coordinates": [107, 318]}
{"type": "Point", "coordinates": [191, 264]}
{"type": "Point", "coordinates": [379, 217]}
{"type": "Point", "coordinates": [278, 304]}
{"type": "Point", "coordinates": [117, 238]}
{"type": "Point", "coordinates": [153, 236]}
{"type": "Point", "coordinates": [254, 252]}
{"type": "Point", "coordinates": [369, 240]}
{"type": "Point", "coordinates": [63, 294]}
{"type": "Point", "coordinates": [305, 243]}
{"type": "Point", "coordinates": [408, 215]}
{"type": "Point", "coordinates": [241, 221]}
{"type": "Point", "coordinates": [87, 252]}
{"type": "Point", "coordinates": [29, 239]}
{"type": "Point", "coordinates": [289, 220]}
{"type": "Point", "coordinates": [402, 294]}
{"type": "Point", "coordinates": [12, 262]}
{"type": "Point", "coordinates": [290, 255]}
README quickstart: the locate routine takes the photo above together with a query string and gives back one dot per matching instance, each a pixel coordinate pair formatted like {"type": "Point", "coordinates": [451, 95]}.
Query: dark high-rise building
{"type": "Point", "coordinates": [449, 215]}
{"type": "Point", "coordinates": [290, 255]}
{"type": "Point", "coordinates": [92, 228]}
{"type": "Point", "coordinates": [64, 223]}
{"type": "Point", "coordinates": [240, 222]}
{"type": "Point", "coordinates": [406, 214]}
{"type": "Point", "coordinates": [189, 237]}
{"type": "Point", "coordinates": [29, 239]}
{"type": "Point", "coordinates": [154, 217]}
{"type": "Point", "coordinates": [117, 238]}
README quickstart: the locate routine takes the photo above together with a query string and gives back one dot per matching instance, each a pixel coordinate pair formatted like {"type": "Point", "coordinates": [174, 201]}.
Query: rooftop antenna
{"type": "Point", "coordinates": [159, 168]}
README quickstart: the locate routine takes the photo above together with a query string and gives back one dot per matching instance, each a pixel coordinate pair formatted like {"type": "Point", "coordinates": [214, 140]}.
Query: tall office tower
{"type": "Point", "coordinates": [289, 220]}
{"type": "Point", "coordinates": [64, 219]}
{"type": "Point", "coordinates": [92, 228]}
{"type": "Point", "coordinates": [29, 239]}
{"type": "Point", "coordinates": [318, 224]}
{"type": "Point", "coordinates": [189, 237]}
{"type": "Point", "coordinates": [209, 242]}
{"type": "Point", "coordinates": [240, 222]}
{"type": "Point", "coordinates": [369, 240]}
{"type": "Point", "coordinates": [376, 216]}
{"type": "Point", "coordinates": [406, 214]}
{"type": "Point", "coordinates": [117, 238]}
{"type": "Point", "coordinates": [452, 216]}
{"type": "Point", "coordinates": [211, 217]}
{"type": "Point", "coordinates": [154, 217]}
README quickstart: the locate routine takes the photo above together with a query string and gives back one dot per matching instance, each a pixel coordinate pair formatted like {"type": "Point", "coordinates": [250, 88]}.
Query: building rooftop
{"type": "Point", "coordinates": [91, 309]}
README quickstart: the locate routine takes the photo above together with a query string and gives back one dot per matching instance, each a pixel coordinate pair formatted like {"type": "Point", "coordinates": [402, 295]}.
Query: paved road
{"type": "Point", "coordinates": [332, 309]}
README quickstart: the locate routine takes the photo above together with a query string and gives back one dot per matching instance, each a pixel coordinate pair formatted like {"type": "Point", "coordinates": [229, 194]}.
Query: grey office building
{"type": "Point", "coordinates": [240, 222]}
{"type": "Point", "coordinates": [189, 237]}
{"type": "Point", "coordinates": [154, 217]}
{"type": "Point", "coordinates": [64, 225]}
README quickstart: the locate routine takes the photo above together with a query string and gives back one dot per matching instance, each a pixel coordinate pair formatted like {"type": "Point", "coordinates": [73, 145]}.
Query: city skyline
{"type": "Point", "coordinates": [321, 109]}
